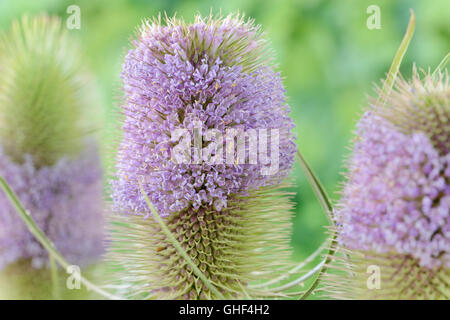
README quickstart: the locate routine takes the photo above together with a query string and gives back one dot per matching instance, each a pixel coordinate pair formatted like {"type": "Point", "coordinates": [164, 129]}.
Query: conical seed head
{"type": "Point", "coordinates": [214, 74]}
{"type": "Point", "coordinates": [40, 97]}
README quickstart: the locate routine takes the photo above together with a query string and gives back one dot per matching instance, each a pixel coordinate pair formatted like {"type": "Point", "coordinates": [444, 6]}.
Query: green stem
{"type": "Point", "coordinates": [178, 246]}
{"type": "Point", "coordinates": [55, 278]}
{"type": "Point", "coordinates": [395, 66]}
{"type": "Point", "coordinates": [45, 242]}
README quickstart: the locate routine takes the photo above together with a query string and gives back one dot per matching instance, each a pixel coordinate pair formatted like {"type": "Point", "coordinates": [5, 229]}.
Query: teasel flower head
{"type": "Point", "coordinates": [233, 219]}
{"type": "Point", "coordinates": [46, 155]}
{"type": "Point", "coordinates": [394, 215]}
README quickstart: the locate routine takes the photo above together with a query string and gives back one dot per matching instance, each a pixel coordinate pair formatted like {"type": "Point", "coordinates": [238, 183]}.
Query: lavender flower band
{"type": "Point", "coordinates": [64, 201]}
{"type": "Point", "coordinates": [170, 84]}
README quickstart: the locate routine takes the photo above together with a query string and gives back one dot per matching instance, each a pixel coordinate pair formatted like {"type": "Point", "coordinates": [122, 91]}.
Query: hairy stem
{"type": "Point", "coordinates": [301, 279]}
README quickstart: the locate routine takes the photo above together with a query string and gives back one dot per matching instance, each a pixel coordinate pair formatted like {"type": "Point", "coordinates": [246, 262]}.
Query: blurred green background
{"type": "Point", "coordinates": [328, 56]}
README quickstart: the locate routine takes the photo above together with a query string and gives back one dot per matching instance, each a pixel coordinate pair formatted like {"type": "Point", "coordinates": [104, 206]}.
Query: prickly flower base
{"type": "Point", "coordinates": [389, 276]}
{"type": "Point", "coordinates": [229, 246]}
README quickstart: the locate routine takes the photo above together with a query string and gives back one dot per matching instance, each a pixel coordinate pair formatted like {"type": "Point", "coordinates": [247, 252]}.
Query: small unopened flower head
{"type": "Point", "coordinates": [45, 155]}
{"type": "Point", "coordinates": [42, 93]}
{"type": "Point", "coordinates": [395, 209]}
{"type": "Point", "coordinates": [214, 74]}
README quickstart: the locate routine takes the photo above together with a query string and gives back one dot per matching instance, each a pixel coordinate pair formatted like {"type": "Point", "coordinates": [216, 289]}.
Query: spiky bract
{"type": "Point", "coordinates": [215, 74]}
{"type": "Point", "coordinates": [395, 209]}
{"type": "Point", "coordinates": [420, 105]}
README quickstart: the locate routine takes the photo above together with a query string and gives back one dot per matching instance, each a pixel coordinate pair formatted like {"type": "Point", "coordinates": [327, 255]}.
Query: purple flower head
{"type": "Point", "coordinates": [207, 134]}
{"type": "Point", "coordinates": [211, 75]}
{"type": "Point", "coordinates": [63, 199]}
{"type": "Point", "coordinates": [397, 198]}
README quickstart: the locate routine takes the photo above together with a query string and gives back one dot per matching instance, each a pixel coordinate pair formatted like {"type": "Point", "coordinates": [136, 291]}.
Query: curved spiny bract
{"type": "Point", "coordinates": [420, 104]}
{"type": "Point", "coordinates": [394, 215]}
{"type": "Point", "coordinates": [212, 74]}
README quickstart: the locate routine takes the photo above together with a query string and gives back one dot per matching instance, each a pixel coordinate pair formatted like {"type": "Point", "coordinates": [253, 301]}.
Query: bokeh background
{"type": "Point", "coordinates": [329, 58]}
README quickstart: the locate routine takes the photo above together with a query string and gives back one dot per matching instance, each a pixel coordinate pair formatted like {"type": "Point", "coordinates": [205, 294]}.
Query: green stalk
{"type": "Point", "coordinates": [55, 278]}
{"type": "Point", "coordinates": [317, 187]}
{"type": "Point", "coordinates": [45, 242]}
{"type": "Point", "coordinates": [178, 246]}
{"type": "Point", "coordinates": [302, 279]}
{"type": "Point", "coordinates": [327, 206]}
